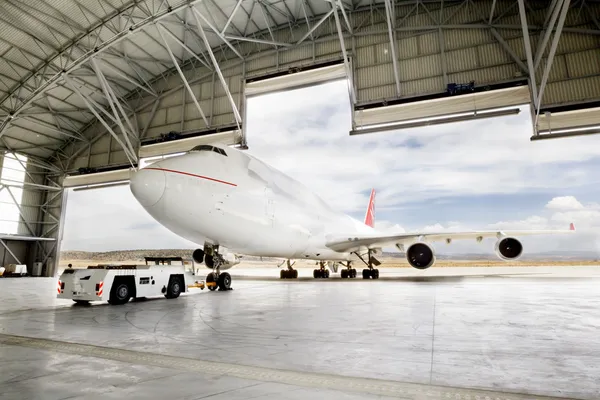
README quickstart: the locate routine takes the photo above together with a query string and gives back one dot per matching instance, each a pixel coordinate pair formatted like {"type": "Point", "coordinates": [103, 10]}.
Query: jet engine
{"type": "Point", "coordinates": [508, 248]}
{"type": "Point", "coordinates": [420, 255]}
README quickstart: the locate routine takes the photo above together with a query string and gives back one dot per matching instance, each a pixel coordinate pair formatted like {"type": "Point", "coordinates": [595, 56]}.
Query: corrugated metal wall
{"type": "Point", "coordinates": [427, 59]}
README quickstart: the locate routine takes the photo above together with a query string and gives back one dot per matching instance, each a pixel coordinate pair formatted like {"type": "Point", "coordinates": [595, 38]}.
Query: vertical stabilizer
{"type": "Point", "coordinates": [370, 215]}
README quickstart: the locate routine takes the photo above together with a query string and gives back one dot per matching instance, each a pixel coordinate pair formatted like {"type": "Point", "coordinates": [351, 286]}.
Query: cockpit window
{"type": "Point", "coordinates": [206, 147]}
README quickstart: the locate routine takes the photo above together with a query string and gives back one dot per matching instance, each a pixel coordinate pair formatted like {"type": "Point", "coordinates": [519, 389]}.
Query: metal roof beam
{"type": "Point", "coordinates": [236, 113]}
{"type": "Point", "coordinates": [554, 45]}
{"type": "Point", "coordinates": [351, 91]}
{"type": "Point", "coordinates": [179, 42]}
{"type": "Point", "coordinates": [528, 54]}
{"type": "Point", "coordinates": [112, 101]}
{"type": "Point", "coordinates": [127, 78]}
{"type": "Point", "coordinates": [182, 76]}
{"type": "Point", "coordinates": [216, 31]}
{"type": "Point", "coordinates": [69, 82]}
{"type": "Point", "coordinates": [392, 38]}
{"type": "Point", "coordinates": [46, 125]}
{"type": "Point", "coordinates": [84, 58]}
{"type": "Point", "coordinates": [315, 26]}
{"type": "Point", "coordinates": [237, 6]}
{"type": "Point", "coordinates": [544, 39]}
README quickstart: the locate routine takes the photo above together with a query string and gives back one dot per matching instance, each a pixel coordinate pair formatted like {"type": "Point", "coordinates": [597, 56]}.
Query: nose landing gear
{"type": "Point", "coordinates": [214, 260]}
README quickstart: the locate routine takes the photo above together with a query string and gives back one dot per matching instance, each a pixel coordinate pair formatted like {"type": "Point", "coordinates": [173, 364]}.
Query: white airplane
{"type": "Point", "coordinates": [233, 203]}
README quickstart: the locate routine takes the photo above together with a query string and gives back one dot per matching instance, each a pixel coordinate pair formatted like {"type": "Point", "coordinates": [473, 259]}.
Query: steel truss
{"type": "Point", "coordinates": [94, 64]}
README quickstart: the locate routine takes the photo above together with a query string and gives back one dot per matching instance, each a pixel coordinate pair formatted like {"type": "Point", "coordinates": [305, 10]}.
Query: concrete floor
{"type": "Point", "coordinates": [495, 337]}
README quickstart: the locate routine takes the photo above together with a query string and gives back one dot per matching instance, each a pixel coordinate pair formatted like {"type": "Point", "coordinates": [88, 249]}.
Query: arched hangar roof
{"type": "Point", "coordinates": [71, 69]}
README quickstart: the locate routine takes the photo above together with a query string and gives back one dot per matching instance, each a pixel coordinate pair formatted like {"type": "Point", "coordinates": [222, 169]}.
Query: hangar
{"type": "Point", "coordinates": [90, 89]}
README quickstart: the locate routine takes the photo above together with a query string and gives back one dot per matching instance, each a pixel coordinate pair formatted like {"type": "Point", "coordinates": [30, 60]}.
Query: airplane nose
{"type": "Point", "coordinates": [147, 186]}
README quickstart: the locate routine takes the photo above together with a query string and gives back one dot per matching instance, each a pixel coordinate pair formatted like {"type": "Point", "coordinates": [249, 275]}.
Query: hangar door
{"type": "Point", "coordinates": [294, 78]}
{"type": "Point", "coordinates": [286, 81]}
{"type": "Point", "coordinates": [370, 119]}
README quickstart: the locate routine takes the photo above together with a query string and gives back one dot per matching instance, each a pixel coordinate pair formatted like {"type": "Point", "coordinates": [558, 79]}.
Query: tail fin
{"type": "Point", "coordinates": [370, 215]}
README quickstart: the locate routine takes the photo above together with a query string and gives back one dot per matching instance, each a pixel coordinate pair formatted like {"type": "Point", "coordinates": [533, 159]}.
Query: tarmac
{"type": "Point", "coordinates": [446, 333]}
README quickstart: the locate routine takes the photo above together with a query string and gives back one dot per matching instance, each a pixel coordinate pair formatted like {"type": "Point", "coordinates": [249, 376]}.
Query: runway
{"type": "Point", "coordinates": [507, 336]}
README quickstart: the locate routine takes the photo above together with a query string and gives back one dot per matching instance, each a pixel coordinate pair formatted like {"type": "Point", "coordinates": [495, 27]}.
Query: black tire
{"type": "Point", "coordinates": [366, 273]}
{"type": "Point", "coordinates": [210, 278]}
{"type": "Point", "coordinates": [174, 289]}
{"type": "Point", "coordinates": [375, 274]}
{"type": "Point", "coordinates": [282, 274]}
{"type": "Point", "coordinates": [224, 281]}
{"type": "Point", "coordinates": [295, 274]}
{"type": "Point", "coordinates": [344, 273]}
{"type": "Point", "coordinates": [325, 273]}
{"type": "Point", "coordinates": [316, 273]}
{"type": "Point", "coordinates": [353, 273]}
{"type": "Point", "coordinates": [120, 293]}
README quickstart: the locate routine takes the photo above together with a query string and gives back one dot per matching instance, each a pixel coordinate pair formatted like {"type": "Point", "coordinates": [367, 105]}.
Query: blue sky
{"type": "Point", "coordinates": [471, 175]}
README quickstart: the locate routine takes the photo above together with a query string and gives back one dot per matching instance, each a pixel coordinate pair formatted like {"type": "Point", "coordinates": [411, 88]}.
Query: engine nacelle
{"type": "Point", "coordinates": [198, 256]}
{"type": "Point", "coordinates": [420, 255]}
{"type": "Point", "coordinates": [229, 260]}
{"type": "Point", "coordinates": [508, 248]}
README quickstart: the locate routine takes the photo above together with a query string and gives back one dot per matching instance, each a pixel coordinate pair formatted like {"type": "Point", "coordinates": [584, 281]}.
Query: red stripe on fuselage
{"type": "Point", "coordinates": [194, 175]}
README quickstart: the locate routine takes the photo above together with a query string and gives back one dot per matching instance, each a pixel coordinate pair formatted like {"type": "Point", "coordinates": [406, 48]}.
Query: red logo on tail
{"type": "Point", "coordinates": [370, 216]}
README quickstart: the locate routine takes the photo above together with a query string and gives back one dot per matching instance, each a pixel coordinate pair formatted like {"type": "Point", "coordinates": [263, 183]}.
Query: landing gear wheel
{"type": "Point", "coordinates": [321, 273]}
{"type": "Point", "coordinates": [288, 274]}
{"type": "Point", "coordinates": [349, 273]}
{"type": "Point", "coordinates": [119, 294]}
{"type": "Point", "coordinates": [370, 273]}
{"type": "Point", "coordinates": [224, 281]}
{"type": "Point", "coordinates": [174, 288]}
{"type": "Point", "coordinates": [210, 280]}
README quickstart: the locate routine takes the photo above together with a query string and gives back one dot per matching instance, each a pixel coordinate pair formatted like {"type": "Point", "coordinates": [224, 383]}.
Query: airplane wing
{"type": "Point", "coordinates": [355, 242]}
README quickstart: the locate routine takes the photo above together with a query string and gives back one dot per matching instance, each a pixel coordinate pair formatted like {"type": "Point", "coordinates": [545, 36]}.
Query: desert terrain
{"type": "Point", "coordinates": [82, 259]}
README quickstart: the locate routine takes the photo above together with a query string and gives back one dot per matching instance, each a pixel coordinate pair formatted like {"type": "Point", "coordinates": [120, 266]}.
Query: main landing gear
{"type": "Point", "coordinates": [289, 273]}
{"type": "Point", "coordinates": [214, 260]}
{"type": "Point", "coordinates": [321, 272]}
{"type": "Point", "coordinates": [348, 272]}
{"type": "Point", "coordinates": [370, 272]}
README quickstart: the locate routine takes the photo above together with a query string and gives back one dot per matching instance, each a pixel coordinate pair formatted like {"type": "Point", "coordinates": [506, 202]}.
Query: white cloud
{"type": "Point", "coordinates": [308, 138]}
{"type": "Point", "coordinates": [564, 203]}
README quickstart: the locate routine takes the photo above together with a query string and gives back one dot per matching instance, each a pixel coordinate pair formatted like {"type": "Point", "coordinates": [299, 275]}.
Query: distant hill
{"type": "Point", "coordinates": [131, 255]}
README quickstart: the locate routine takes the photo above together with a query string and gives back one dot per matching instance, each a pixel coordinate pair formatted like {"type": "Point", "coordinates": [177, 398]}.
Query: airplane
{"type": "Point", "coordinates": [235, 204]}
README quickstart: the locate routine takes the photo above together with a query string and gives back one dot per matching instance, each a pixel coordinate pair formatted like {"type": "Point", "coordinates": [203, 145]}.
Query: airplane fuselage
{"type": "Point", "coordinates": [238, 202]}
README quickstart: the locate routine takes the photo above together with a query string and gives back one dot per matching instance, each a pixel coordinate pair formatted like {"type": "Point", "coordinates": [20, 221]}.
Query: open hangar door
{"type": "Point", "coordinates": [295, 78]}
{"type": "Point", "coordinates": [486, 103]}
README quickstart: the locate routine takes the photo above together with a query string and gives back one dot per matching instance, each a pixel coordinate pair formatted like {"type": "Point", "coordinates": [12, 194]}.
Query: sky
{"type": "Point", "coordinates": [483, 174]}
